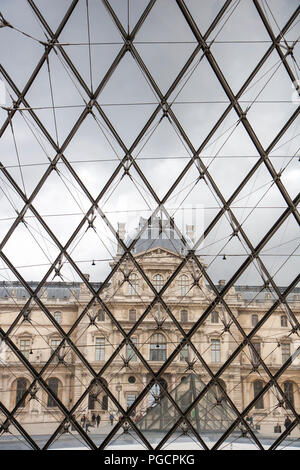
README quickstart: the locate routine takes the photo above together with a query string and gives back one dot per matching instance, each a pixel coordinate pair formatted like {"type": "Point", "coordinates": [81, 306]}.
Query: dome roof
{"type": "Point", "coordinates": [159, 234]}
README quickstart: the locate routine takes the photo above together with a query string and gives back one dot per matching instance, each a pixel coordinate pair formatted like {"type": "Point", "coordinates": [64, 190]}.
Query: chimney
{"type": "Point", "coordinates": [121, 233]}
{"type": "Point", "coordinates": [190, 231]}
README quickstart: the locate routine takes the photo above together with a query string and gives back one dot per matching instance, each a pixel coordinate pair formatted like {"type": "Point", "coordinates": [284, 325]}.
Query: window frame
{"type": "Point", "coordinates": [133, 284]}
{"type": "Point", "coordinates": [183, 285]}
{"type": "Point", "coordinates": [184, 353]}
{"type": "Point", "coordinates": [158, 281]}
{"type": "Point", "coordinates": [52, 349]}
{"type": "Point", "coordinates": [184, 316]}
{"type": "Point", "coordinates": [215, 348]}
{"type": "Point", "coordinates": [57, 316]}
{"type": "Point", "coordinates": [285, 352]}
{"type": "Point", "coordinates": [55, 390]}
{"type": "Point", "coordinates": [258, 385]}
{"type": "Point", "coordinates": [214, 316]}
{"type": "Point", "coordinates": [130, 394]}
{"type": "Point", "coordinates": [132, 315]}
{"type": "Point", "coordinates": [158, 350]}
{"type": "Point", "coordinates": [20, 391]}
{"type": "Point", "coordinates": [288, 388]}
{"type": "Point", "coordinates": [99, 349]}
{"type": "Point", "coordinates": [25, 351]}
{"type": "Point", "coordinates": [101, 315]}
{"type": "Point", "coordinates": [258, 348]}
{"type": "Point", "coordinates": [130, 351]}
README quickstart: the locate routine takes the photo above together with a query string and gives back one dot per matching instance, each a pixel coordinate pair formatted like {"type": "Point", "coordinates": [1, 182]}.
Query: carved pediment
{"type": "Point", "coordinates": [24, 334]}
{"type": "Point", "coordinates": [151, 252]}
{"type": "Point", "coordinates": [101, 330]}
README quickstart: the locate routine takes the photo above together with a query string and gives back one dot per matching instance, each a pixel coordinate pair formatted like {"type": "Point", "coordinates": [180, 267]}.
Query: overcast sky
{"type": "Point", "coordinates": [164, 43]}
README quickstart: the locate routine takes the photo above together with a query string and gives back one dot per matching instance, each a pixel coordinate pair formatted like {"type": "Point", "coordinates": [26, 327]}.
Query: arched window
{"type": "Point", "coordinates": [133, 285]}
{"type": "Point", "coordinates": [53, 385]}
{"type": "Point", "coordinates": [158, 347]}
{"type": "Point", "coordinates": [183, 285]}
{"type": "Point", "coordinates": [254, 320]}
{"type": "Point", "coordinates": [283, 320]}
{"type": "Point", "coordinates": [101, 315]}
{"type": "Point", "coordinates": [20, 390]}
{"type": "Point", "coordinates": [158, 282]}
{"type": "Point", "coordinates": [132, 315]}
{"type": "Point", "coordinates": [289, 392]}
{"type": "Point", "coordinates": [57, 317]}
{"type": "Point", "coordinates": [184, 316]}
{"type": "Point", "coordinates": [257, 388]}
{"type": "Point", "coordinates": [214, 317]}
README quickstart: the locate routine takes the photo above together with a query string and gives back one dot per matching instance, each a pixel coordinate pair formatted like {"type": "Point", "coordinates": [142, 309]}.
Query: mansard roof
{"type": "Point", "coordinates": [54, 290]}
{"type": "Point", "coordinates": [160, 233]}
{"type": "Point", "coordinates": [64, 290]}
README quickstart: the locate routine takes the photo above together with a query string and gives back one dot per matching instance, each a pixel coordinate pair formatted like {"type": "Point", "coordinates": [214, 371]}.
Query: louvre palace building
{"type": "Point", "coordinates": [127, 303]}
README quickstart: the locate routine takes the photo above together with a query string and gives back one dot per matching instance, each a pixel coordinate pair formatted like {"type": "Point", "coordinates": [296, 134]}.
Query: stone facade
{"type": "Point", "coordinates": [127, 297]}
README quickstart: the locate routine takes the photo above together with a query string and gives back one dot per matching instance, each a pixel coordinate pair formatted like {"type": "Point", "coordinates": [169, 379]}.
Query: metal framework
{"type": "Point", "coordinates": [127, 165]}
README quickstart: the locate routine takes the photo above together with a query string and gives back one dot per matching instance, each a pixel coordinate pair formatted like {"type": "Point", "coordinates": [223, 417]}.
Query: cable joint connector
{"type": "Point", "coordinates": [128, 44]}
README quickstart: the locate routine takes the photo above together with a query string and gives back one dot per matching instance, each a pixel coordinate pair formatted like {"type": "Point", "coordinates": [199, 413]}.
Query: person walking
{"type": "Point", "coordinates": [250, 421]}
{"type": "Point", "coordinates": [87, 425]}
{"type": "Point", "coordinates": [111, 417]}
{"type": "Point", "coordinates": [98, 419]}
{"type": "Point", "coordinates": [287, 423]}
{"type": "Point", "coordinates": [93, 419]}
{"type": "Point", "coordinates": [83, 420]}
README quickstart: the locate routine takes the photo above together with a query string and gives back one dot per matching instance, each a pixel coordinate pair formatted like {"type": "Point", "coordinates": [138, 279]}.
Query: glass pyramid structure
{"type": "Point", "coordinates": [211, 414]}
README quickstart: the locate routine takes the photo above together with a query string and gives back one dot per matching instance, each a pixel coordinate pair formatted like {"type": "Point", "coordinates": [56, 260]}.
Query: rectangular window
{"type": "Point", "coordinates": [130, 399]}
{"type": "Point", "coordinates": [101, 315]}
{"type": "Point", "coordinates": [54, 345]}
{"type": "Point", "coordinates": [132, 315]}
{"type": "Point", "coordinates": [183, 316]}
{"type": "Point", "coordinates": [100, 349]}
{"type": "Point", "coordinates": [215, 317]}
{"type": "Point", "coordinates": [184, 353]}
{"type": "Point", "coordinates": [158, 352]}
{"type": "Point", "coordinates": [130, 352]}
{"type": "Point", "coordinates": [255, 355]}
{"type": "Point", "coordinates": [25, 347]}
{"type": "Point", "coordinates": [215, 350]}
{"type": "Point", "coordinates": [285, 352]}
